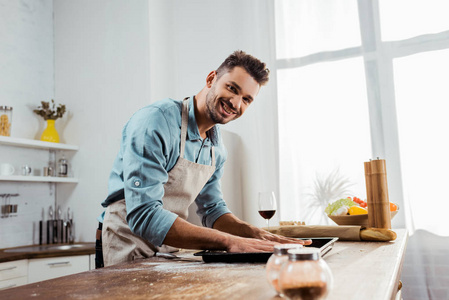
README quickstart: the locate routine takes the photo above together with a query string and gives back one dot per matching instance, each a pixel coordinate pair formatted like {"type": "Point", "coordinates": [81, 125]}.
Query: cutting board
{"type": "Point", "coordinates": [344, 233]}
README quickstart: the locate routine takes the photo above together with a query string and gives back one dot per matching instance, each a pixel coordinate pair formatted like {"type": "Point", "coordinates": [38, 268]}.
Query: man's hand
{"type": "Point", "coordinates": [185, 235]}
{"type": "Point", "coordinates": [266, 235]}
{"type": "Point", "coordinates": [264, 241]}
{"type": "Point", "coordinates": [229, 233]}
{"type": "Point", "coordinates": [239, 244]}
{"type": "Point", "coordinates": [233, 225]}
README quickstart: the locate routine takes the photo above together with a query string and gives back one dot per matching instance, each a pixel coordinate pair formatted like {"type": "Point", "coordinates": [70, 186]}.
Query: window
{"type": "Point", "coordinates": [325, 128]}
{"type": "Point", "coordinates": [416, 17]}
{"type": "Point", "coordinates": [315, 26]}
{"type": "Point", "coordinates": [353, 85]}
{"type": "Point", "coordinates": [421, 97]}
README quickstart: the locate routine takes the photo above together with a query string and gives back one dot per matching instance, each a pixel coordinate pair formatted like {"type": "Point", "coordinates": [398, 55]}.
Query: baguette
{"type": "Point", "coordinates": [377, 234]}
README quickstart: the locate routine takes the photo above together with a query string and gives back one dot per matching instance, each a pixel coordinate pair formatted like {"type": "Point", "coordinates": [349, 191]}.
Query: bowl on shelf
{"type": "Point", "coordinates": [359, 220]}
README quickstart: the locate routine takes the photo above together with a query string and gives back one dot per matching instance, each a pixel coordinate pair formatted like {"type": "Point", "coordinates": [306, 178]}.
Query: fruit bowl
{"type": "Point", "coordinates": [359, 220]}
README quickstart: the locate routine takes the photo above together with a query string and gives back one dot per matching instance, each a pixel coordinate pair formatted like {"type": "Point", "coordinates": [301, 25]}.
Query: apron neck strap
{"type": "Point", "coordinates": [184, 124]}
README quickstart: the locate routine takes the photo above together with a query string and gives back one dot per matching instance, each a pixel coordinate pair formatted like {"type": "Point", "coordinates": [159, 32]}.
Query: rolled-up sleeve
{"type": "Point", "coordinates": [146, 141]}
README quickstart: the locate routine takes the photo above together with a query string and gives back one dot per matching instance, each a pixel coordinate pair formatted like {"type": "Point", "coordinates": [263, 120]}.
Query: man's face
{"type": "Point", "coordinates": [230, 96]}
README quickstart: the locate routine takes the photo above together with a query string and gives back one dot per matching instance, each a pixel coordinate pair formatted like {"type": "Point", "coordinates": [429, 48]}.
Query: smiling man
{"type": "Point", "coordinates": [171, 155]}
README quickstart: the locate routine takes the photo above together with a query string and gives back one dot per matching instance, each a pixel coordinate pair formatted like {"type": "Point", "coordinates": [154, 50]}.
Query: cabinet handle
{"type": "Point", "coordinates": [10, 268]}
{"type": "Point", "coordinates": [8, 286]}
{"type": "Point", "coordinates": [59, 263]}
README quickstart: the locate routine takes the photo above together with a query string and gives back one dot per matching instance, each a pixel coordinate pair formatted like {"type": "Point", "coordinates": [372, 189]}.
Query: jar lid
{"type": "Point", "coordinates": [6, 107]}
{"type": "Point", "coordinates": [283, 248]}
{"type": "Point", "coordinates": [304, 254]}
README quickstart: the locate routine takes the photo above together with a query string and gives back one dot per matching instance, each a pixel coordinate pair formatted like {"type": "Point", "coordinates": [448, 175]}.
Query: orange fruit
{"type": "Point", "coordinates": [393, 207]}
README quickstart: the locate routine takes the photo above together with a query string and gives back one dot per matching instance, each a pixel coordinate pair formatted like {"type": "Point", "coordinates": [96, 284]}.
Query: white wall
{"type": "Point", "coordinates": [102, 74]}
{"type": "Point", "coordinates": [26, 61]}
{"type": "Point", "coordinates": [26, 78]}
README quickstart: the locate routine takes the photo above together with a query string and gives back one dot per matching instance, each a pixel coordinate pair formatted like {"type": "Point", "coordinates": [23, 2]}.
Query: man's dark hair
{"type": "Point", "coordinates": [252, 65]}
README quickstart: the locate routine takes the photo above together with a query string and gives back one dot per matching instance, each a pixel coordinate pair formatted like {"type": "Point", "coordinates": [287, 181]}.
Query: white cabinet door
{"type": "Point", "coordinates": [10, 283]}
{"type": "Point", "coordinates": [13, 273]}
{"type": "Point", "coordinates": [13, 269]}
{"type": "Point", "coordinates": [92, 262]}
{"type": "Point", "coordinates": [48, 268]}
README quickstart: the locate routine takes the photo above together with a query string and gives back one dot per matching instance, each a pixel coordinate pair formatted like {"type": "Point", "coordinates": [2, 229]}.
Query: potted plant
{"type": "Point", "coordinates": [50, 113]}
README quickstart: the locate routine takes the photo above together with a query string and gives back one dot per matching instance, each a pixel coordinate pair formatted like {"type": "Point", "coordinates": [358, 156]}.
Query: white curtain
{"type": "Point", "coordinates": [353, 85]}
{"type": "Point", "coordinates": [366, 79]}
{"type": "Point", "coordinates": [323, 107]}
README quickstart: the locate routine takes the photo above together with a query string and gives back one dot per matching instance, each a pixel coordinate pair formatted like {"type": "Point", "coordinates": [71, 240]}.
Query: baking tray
{"type": "Point", "coordinates": [325, 245]}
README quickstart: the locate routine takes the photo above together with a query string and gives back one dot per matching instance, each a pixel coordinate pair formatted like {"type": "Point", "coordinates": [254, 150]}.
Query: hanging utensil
{"type": "Point", "coordinates": [50, 225]}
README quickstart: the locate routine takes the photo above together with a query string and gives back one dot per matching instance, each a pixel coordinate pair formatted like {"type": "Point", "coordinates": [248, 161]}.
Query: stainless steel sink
{"type": "Point", "coordinates": [66, 247]}
{"type": "Point", "coordinates": [45, 248]}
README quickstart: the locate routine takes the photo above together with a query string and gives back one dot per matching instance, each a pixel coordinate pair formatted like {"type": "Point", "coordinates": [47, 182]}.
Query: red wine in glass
{"type": "Point", "coordinates": [267, 214]}
{"type": "Point", "coordinates": [267, 206]}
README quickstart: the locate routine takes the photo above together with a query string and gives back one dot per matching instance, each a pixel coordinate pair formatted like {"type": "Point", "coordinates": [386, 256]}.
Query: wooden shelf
{"type": "Point", "coordinates": [27, 143]}
{"type": "Point", "coordinates": [39, 179]}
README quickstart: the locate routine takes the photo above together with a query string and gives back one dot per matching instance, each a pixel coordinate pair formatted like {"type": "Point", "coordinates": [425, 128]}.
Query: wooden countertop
{"type": "Point", "coordinates": [361, 270]}
{"type": "Point", "coordinates": [52, 250]}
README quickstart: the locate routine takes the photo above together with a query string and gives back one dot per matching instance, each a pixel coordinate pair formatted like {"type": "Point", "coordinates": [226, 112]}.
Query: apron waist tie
{"type": "Point", "coordinates": [99, 262]}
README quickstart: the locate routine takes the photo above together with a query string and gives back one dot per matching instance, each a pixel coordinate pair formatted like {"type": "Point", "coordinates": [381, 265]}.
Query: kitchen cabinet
{"type": "Point", "coordinates": [34, 144]}
{"type": "Point", "coordinates": [19, 265]}
{"type": "Point", "coordinates": [92, 262]}
{"type": "Point", "coordinates": [20, 272]}
{"type": "Point", "coordinates": [48, 268]}
{"type": "Point", "coordinates": [14, 273]}
{"type": "Point", "coordinates": [10, 283]}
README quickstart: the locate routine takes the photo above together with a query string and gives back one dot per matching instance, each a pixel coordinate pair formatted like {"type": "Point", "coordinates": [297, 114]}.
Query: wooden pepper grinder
{"type": "Point", "coordinates": [377, 194]}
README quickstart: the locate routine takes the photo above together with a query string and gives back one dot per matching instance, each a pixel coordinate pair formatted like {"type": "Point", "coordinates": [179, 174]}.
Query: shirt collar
{"type": "Point", "coordinates": [192, 128]}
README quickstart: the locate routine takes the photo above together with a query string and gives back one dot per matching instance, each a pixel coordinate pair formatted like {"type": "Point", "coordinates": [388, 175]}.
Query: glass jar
{"type": "Point", "coordinates": [63, 167]}
{"type": "Point", "coordinates": [305, 276]}
{"type": "Point", "coordinates": [275, 263]}
{"type": "Point", "coordinates": [5, 120]}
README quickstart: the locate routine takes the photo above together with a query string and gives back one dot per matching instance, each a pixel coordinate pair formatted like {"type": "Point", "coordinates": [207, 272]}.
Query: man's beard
{"type": "Point", "coordinates": [212, 101]}
{"type": "Point", "coordinates": [212, 107]}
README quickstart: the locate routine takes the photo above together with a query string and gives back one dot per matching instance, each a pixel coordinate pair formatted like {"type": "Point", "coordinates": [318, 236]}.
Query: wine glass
{"type": "Point", "coordinates": [267, 206]}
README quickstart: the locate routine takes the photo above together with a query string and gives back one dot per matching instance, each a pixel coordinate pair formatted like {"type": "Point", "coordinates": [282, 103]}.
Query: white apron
{"type": "Point", "coordinates": [185, 182]}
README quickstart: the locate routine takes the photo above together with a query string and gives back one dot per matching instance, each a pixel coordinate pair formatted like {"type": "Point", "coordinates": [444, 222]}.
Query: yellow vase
{"type": "Point", "coordinates": [50, 134]}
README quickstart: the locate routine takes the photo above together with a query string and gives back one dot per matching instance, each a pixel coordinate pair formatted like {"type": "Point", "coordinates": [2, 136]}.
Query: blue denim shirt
{"type": "Point", "coordinates": [149, 149]}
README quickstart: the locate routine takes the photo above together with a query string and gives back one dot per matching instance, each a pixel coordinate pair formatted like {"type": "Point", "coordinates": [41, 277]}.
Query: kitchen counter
{"type": "Point", "coordinates": [42, 251]}
{"type": "Point", "coordinates": [361, 270]}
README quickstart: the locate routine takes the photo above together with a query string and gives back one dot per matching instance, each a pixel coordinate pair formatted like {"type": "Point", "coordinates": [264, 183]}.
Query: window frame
{"type": "Point", "coordinates": [378, 59]}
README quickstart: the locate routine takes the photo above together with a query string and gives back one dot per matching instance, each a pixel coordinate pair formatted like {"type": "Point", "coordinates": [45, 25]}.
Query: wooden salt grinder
{"type": "Point", "coordinates": [369, 192]}
{"type": "Point", "coordinates": [379, 215]}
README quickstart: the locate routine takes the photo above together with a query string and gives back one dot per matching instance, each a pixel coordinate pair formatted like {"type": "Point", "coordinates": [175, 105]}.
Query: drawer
{"type": "Point", "coordinates": [10, 283]}
{"type": "Point", "coordinates": [13, 269]}
{"type": "Point", "coordinates": [49, 268]}
{"type": "Point", "coordinates": [92, 262]}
